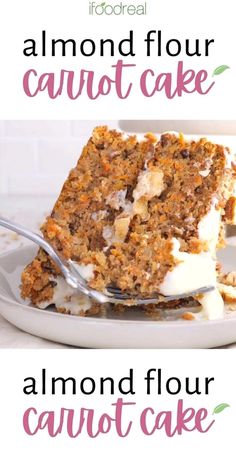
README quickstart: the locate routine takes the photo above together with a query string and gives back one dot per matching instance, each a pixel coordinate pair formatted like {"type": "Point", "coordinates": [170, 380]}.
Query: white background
{"type": "Point", "coordinates": [215, 449]}
{"type": "Point", "coordinates": [183, 19]}
{"type": "Point", "coordinates": [23, 19]}
{"type": "Point", "coordinates": [37, 155]}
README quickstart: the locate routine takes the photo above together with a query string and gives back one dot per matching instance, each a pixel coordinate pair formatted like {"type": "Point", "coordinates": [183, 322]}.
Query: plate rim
{"type": "Point", "coordinates": [150, 323]}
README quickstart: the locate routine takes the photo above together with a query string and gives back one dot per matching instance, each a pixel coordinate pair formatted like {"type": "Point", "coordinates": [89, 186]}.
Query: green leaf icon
{"type": "Point", "coordinates": [220, 70]}
{"type": "Point", "coordinates": [103, 4]}
{"type": "Point", "coordinates": [219, 408]}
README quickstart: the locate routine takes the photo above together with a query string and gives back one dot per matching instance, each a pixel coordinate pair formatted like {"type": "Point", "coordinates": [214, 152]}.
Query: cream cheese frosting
{"type": "Point", "coordinates": [193, 271]}
{"type": "Point", "coordinates": [209, 226]}
{"type": "Point", "coordinates": [65, 297]}
{"type": "Point", "coordinates": [212, 304]}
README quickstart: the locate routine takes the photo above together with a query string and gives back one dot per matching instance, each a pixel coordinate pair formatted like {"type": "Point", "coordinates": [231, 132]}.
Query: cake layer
{"type": "Point", "coordinates": [144, 214]}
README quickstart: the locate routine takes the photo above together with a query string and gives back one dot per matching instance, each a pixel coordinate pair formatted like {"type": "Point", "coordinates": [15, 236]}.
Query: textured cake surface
{"type": "Point", "coordinates": [133, 210]}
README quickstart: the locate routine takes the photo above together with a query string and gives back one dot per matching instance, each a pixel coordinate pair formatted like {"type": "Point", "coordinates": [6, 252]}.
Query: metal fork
{"type": "Point", "coordinates": [76, 281]}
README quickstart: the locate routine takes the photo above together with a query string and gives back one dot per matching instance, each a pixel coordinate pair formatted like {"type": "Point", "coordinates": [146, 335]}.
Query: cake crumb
{"type": "Point", "coordinates": [188, 316]}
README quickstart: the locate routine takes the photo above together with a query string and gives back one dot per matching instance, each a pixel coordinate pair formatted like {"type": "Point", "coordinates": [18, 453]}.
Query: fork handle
{"type": "Point", "coordinates": [40, 241]}
{"type": "Point", "coordinates": [36, 238]}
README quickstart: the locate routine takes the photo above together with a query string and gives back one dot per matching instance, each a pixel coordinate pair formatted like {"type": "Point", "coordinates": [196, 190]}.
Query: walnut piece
{"type": "Point", "coordinates": [121, 227]}
{"type": "Point", "coordinates": [228, 279]}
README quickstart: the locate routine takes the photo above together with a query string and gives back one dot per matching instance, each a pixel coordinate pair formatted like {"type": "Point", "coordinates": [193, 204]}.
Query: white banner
{"type": "Point", "coordinates": [116, 60]}
{"type": "Point", "coordinates": [117, 408]}
{"type": "Point", "coordinates": [102, 61]}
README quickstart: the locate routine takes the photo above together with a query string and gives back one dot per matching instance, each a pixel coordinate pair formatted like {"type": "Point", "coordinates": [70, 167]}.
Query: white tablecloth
{"type": "Point", "coordinates": [29, 212]}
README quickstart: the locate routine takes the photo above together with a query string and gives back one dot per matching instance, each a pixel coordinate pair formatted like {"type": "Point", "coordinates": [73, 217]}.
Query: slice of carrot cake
{"type": "Point", "coordinates": [143, 214]}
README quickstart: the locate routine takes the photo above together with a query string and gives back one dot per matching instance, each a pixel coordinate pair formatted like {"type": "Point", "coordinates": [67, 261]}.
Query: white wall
{"type": "Point", "coordinates": [36, 156]}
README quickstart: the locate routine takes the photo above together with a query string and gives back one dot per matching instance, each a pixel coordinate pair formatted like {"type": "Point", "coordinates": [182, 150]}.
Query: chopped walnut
{"type": "Point", "coordinates": [107, 234]}
{"type": "Point", "coordinates": [228, 279]}
{"type": "Point", "coordinates": [99, 215]}
{"type": "Point", "coordinates": [150, 184]}
{"type": "Point", "coordinates": [227, 292]}
{"type": "Point", "coordinates": [121, 227]}
{"type": "Point", "coordinates": [117, 232]}
{"type": "Point", "coordinates": [140, 207]}
{"type": "Point", "coordinates": [116, 199]}
{"type": "Point", "coordinates": [204, 173]}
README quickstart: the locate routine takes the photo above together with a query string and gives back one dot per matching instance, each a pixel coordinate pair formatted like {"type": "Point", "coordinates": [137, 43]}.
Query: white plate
{"type": "Point", "coordinates": [128, 331]}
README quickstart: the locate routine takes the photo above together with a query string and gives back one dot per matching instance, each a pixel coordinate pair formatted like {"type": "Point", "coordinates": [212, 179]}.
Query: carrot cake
{"type": "Point", "coordinates": [143, 214]}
